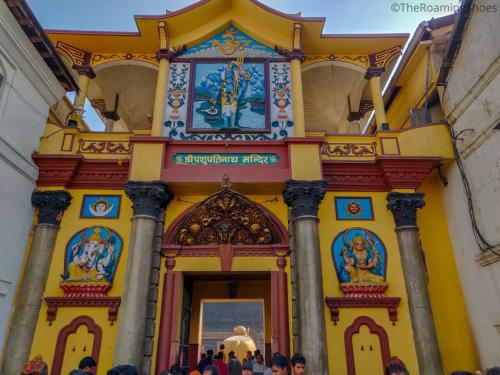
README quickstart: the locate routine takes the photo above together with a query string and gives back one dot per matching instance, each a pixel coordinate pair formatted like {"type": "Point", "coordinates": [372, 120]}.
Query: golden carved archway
{"type": "Point", "coordinates": [226, 218]}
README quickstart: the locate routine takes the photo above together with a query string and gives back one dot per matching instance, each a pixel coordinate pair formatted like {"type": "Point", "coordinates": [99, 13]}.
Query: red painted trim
{"type": "Point", "coordinates": [168, 339]}
{"type": "Point", "coordinates": [72, 141]}
{"type": "Point", "coordinates": [54, 303]}
{"type": "Point", "coordinates": [294, 140]}
{"type": "Point", "coordinates": [74, 171]}
{"type": "Point", "coordinates": [280, 335]}
{"type": "Point", "coordinates": [193, 355]}
{"type": "Point", "coordinates": [62, 339]}
{"type": "Point", "coordinates": [382, 174]}
{"type": "Point", "coordinates": [374, 329]}
{"type": "Point", "coordinates": [382, 145]}
{"type": "Point", "coordinates": [336, 303]}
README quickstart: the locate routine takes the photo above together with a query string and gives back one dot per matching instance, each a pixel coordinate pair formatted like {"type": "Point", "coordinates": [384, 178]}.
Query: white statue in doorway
{"type": "Point", "coordinates": [240, 343]}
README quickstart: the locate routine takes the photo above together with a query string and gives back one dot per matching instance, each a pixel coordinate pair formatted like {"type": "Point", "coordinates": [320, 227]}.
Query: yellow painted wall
{"type": "Point", "coordinates": [450, 317]}
{"type": "Point", "coordinates": [44, 342]}
{"type": "Point", "coordinates": [400, 335]}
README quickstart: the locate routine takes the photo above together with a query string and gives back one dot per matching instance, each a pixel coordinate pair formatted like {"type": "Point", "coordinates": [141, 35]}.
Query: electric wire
{"type": "Point", "coordinates": [483, 244]}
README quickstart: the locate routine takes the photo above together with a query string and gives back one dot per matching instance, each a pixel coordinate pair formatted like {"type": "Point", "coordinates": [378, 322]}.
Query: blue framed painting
{"type": "Point", "coordinates": [354, 208]}
{"type": "Point", "coordinates": [359, 256]}
{"type": "Point", "coordinates": [92, 255]}
{"type": "Point", "coordinates": [100, 207]}
{"type": "Point", "coordinates": [229, 95]}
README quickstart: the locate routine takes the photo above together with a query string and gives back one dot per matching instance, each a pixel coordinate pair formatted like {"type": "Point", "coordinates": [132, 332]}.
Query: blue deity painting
{"type": "Point", "coordinates": [353, 208]}
{"type": "Point", "coordinates": [92, 255]}
{"type": "Point", "coordinates": [359, 256]}
{"type": "Point", "coordinates": [229, 96]}
{"type": "Point", "coordinates": [230, 43]}
{"type": "Point", "coordinates": [100, 206]}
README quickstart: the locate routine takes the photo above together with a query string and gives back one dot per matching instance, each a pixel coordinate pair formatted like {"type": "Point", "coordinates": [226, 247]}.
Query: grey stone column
{"type": "Point", "coordinates": [404, 209]}
{"type": "Point", "coordinates": [303, 198]}
{"type": "Point", "coordinates": [51, 205]}
{"type": "Point", "coordinates": [149, 200]}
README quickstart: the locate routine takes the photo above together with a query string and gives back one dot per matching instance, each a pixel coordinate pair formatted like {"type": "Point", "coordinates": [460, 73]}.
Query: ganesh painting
{"type": "Point", "coordinates": [359, 257]}
{"type": "Point", "coordinates": [92, 255]}
{"type": "Point", "coordinates": [229, 95]}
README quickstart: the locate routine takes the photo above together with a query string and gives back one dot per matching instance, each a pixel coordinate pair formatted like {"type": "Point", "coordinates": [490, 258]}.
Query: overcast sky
{"type": "Point", "coordinates": [353, 16]}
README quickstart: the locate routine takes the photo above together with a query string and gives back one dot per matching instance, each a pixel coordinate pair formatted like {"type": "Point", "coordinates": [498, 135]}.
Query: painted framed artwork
{"type": "Point", "coordinates": [100, 207]}
{"type": "Point", "coordinates": [92, 255]}
{"type": "Point", "coordinates": [229, 96]}
{"type": "Point", "coordinates": [354, 208]}
{"type": "Point", "coordinates": [359, 256]}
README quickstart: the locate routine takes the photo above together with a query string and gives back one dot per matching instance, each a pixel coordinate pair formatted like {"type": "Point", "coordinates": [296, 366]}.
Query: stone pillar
{"type": "Point", "coordinates": [163, 56]}
{"type": "Point", "coordinates": [373, 76]}
{"type": "Point", "coordinates": [404, 209]}
{"type": "Point", "coordinates": [303, 198]}
{"type": "Point", "coordinates": [51, 205]}
{"type": "Point", "coordinates": [85, 74]}
{"type": "Point", "coordinates": [149, 200]}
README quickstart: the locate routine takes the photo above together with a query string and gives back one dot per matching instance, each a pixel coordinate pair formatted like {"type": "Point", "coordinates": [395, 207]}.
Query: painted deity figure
{"type": "Point", "coordinates": [234, 81]}
{"type": "Point", "coordinates": [101, 207]}
{"type": "Point", "coordinates": [94, 260]}
{"type": "Point", "coordinates": [362, 261]}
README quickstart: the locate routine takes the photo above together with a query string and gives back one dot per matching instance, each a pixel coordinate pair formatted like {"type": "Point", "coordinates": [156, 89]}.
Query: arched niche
{"type": "Point", "coordinates": [65, 335]}
{"type": "Point", "coordinates": [374, 330]}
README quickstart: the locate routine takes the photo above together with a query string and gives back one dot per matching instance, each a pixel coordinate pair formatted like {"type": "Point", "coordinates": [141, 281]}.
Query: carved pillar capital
{"type": "Point", "coordinates": [85, 70]}
{"type": "Point", "coordinates": [304, 197]}
{"type": "Point", "coordinates": [148, 198]}
{"type": "Point", "coordinates": [404, 207]}
{"type": "Point", "coordinates": [51, 204]}
{"type": "Point", "coordinates": [374, 72]}
{"type": "Point", "coordinates": [169, 53]}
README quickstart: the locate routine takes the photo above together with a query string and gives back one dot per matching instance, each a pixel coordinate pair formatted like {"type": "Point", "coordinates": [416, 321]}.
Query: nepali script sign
{"type": "Point", "coordinates": [225, 159]}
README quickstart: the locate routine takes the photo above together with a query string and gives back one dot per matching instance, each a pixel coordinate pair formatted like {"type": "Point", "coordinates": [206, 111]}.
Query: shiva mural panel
{"type": "Point", "coordinates": [229, 96]}
{"type": "Point", "coordinates": [100, 206]}
{"type": "Point", "coordinates": [92, 255]}
{"type": "Point", "coordinates": [354, 208]}
{"type": "Point", "coordinates": [359, 257]}
{"type": "Point", "coordinates": [231, 42]}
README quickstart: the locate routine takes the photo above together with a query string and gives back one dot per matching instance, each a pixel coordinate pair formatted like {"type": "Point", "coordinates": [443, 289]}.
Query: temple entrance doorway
{"type": "Point", "coordinates": [219, 306]}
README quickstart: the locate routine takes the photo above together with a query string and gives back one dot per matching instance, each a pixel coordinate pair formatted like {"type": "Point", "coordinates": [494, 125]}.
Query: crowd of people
{"type": "Point", "coordinates": [218, 364]}
{"type": "Point", "coordinates": [252, 364]}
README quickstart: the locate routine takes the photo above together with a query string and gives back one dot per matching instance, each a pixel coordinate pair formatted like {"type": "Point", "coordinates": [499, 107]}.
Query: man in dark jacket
{"type": "Point", "coordinates": [234, 364]}
{"type": "Point", "coordinates": [86, 367]}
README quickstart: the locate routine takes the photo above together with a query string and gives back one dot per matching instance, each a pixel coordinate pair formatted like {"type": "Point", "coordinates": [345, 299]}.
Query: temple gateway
{"type": "Point", "coordinates": [247, 157]}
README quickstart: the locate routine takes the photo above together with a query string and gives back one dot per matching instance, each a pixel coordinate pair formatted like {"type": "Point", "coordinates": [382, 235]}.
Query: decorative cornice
{"type": "Point", "coordinates": [382, 174]}
{"type": "Point", "coordinates": [374, 72]}
{"type": "Point", "coordinates": [148, 198]}
{"type": "Point", "coordinates": [404, 207]}
{"type": "Point", "coordinates": [169, 53]}
{"type": "Point", "coordinates": [84, 70]}
{"type": "Point", "coordinates": [336, 303]}
{"type": "Point", "coordinates": [54, 303]}
{"type": "Point", "coordinates": [290, 55]}
{"type": "Point", "coordinates": [77, 172]}
{"type": "Point", "coordinates": [51, 204]}
{"type": "Point", "coordinates": [304, 197]}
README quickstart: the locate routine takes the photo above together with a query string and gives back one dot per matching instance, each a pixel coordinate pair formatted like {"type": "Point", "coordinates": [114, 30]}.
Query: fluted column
{"type": "Point", "coordinates": [404, 209]}
{"type": "Point", "coordinates": [373, 76]}
{"type": "Point", "coordinates": [149, 200]}
{"type": "Point", "coordinates": [303, 199]}
{"type": "Point", "coordinates": [50, 205]}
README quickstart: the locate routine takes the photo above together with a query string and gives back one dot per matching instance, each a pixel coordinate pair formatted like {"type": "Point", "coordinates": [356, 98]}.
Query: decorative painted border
{"type": "Point", "coordinates": [374, 329]}
{"type": "Point", "coordinates": [62, 340]}
{"type": "Point", "coordinates": [372, 214]}
{"type": "Point", "coordinates": [85, 196]}
{"type": "Point", "coordinates": [189, 120]}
